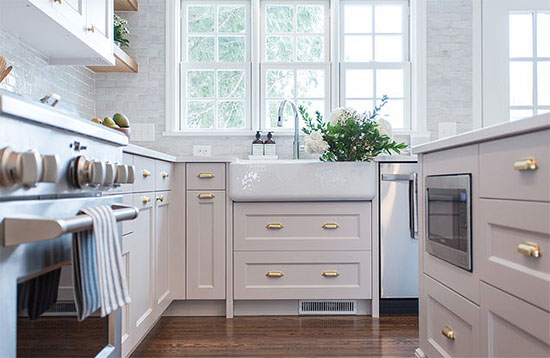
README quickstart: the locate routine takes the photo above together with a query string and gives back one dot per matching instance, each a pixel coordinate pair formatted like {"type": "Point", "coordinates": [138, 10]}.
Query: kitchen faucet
{"type": "Point", "coordinates": [296, 143]}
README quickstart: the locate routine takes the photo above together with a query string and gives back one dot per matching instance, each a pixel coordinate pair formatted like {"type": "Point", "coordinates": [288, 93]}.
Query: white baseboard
{"type": "Point", "coordinates": [418, 353]}
{"type": "Point", "coordinates": [196, 308]}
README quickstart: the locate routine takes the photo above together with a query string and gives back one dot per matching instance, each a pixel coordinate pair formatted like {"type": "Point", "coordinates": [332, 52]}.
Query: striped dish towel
{"type": "Point", "coordinates": [98, 278]}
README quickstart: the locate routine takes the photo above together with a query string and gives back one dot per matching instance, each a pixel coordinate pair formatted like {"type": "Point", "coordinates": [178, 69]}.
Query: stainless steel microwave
{"type": "Point", "coordinates": [449, 219]}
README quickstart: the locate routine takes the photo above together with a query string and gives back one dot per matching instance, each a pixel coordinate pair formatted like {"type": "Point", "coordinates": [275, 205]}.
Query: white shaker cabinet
{"type": "Point", "coordinates": [162, 249]}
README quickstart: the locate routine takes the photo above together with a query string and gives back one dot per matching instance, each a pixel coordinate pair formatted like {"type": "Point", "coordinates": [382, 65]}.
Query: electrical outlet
{"type": "Point", "coordinates": [202, 150]}
{"type": "Point", "coordinates": [446, 129]}
{"type": "Point", "coordinates": [143, 132]}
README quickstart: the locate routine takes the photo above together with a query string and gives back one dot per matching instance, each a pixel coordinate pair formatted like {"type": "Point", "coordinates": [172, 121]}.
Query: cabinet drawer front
{"type": "Point", "coordinates": [205, 176]}
{"type": "Point", "coordinates": [452, 322]}
{"type": "Point", "coordinates": [302, 226]}
{"type": "Point", "coordinates": [302, 275]}
{"type": "Point", "coordinates": [497, 173]}
{"type": "Point", "coordinates": [513, 231]}
{"type": "Point", "coordinates": [511, 327]}
{"type": "Point", "coordinates": [127, 159]}
{"type": "Point", "coordinates": [145, 174]}
{"type": "Point", "coordinates": [128, 225]}
{"type": "Point", "coordinates": [163, 172]}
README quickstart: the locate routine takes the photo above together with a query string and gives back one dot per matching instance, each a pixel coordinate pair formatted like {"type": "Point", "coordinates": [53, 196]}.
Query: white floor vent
{"type": "Point", "coordinates": [328, 307]}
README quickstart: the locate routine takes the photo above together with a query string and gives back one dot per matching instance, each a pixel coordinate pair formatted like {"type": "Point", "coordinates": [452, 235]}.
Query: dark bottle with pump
{"type": "Point", "coordinates": [258, 145]}
{"type": "Point", "coordinates": [270, 148]}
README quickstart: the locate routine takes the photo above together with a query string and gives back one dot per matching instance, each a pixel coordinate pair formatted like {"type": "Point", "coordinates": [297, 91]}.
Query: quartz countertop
{"type": "Point", "coordinates": [497, 131]}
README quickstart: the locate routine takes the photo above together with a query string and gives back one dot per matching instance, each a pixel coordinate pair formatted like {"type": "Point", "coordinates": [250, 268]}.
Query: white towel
{"type": "Point", "coordinates": [98, 277]}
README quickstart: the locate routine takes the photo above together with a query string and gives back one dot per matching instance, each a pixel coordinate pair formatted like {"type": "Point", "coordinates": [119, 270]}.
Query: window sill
{"type": "Point", "coordinates": [222, 133]}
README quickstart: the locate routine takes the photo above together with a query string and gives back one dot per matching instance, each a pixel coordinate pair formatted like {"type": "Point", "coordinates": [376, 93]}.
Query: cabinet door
{"type": "Point", "coordinates": [162, 250]}
{"type": "Point", "coordinates": [99, 20]}
{"type": "Point", "coordinates": [206, 245]}
{"type": "Point", "coordinates": [73, 11]}
{"type": "Point", "coordinates": [128, 239]}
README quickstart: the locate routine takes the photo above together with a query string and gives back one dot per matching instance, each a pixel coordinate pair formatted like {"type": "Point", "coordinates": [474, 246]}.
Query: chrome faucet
{"type": "Point", "coordinates": [296, 143]}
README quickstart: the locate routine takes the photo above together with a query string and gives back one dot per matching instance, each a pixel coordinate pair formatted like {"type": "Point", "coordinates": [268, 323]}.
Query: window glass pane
{"type": "Point", "coordinates": [388, 48]}
{"type": "Point", "coordinates": [272, 109]}
{"type": "Point", "coordinates": [200, 48]}
{"type": "Point", "coordinates": [310, 18]}
{"type": "Point", "coordinates": [359, 83]}
{"type": "Point", "coordinates": [279, 49]}
{"type": "Point", "coordinates": [517, 114]}
{"type": "Point", "coordinates": [543, 83]}
{"type": "Point", "coordinates": [231, 48]}
{"type": "Point", "coordinates": [200, 83]}
{"type": "Point", "coordinates": [311, 83]}
{"type": "Point", "coordinates": [521, 83]}
{"type": "Point", "coordinates": [200, 18]}
{"type": "Point", "coordinates": [389, 83]}
{"type": "Point", "coordinates": [200, 114]}
{"type": "Point", "coordinates": [543, 110]}
{"type": "Point", "coordinates": [310, 49]}
{"type": "Point", "coordinates": [388, 18]}
{"type": "Point", "coordinates": [279, 19]}
{"type": "Point", "coordinates": [231, 19]}
{"type": "Point", "coordinates": [357, 19]}
{"type": "Point", "coordinates": [280, 83]}
{"type": "Point", "coordinates": [543, 34]}
{"type": "Point", "coordinates": [311, 107]}
{"type": "Point", "coordinates": [231, 114]}
{"type": "Point", "coordinates": [360, 105]}
{"type": "Point", "coordinates": [358, 48]}
{"type": "Point", "coordinates": [521, 35]}
{"type": "Point", "coordinates": [393, 113]}
{"type": "Point", "coordinates": [231, 83]}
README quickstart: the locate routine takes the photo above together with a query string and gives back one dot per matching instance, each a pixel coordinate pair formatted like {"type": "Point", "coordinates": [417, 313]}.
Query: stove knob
{"type": "Point", "coordinates": [110, 172]}
{"type": "Point", "coordinates": [121, 174]}
{"type": "Point", "coordinates": [131, 174]}
{"type": "Point", "coordinates": [30, 168]}
{"type": "Point", "coordinates": [97, 173]}
{"type": "Point", "coordinates": [50, 165]}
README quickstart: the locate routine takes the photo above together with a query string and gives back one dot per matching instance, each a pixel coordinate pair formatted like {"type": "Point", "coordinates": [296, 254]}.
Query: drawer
{"type": "Point", "coordinates": [302, 226]}
{"type": "Point", "coordinates": [127, 225]}
{"type": "Point", "coordinates": [512, 231]}
{"type": "Point", "coordinates": [452, 322]}
{"type": "Point", "coordinates": [145, 174]}
{"type": "Point", "coordinates": [163, 172]}
{"type": "Point", "coordinates": [511, 327]}
{"type": "Point", "coordinates": [498, 177]}
{"type": "Point", "coordinates": [302, 275]}
{"type": "Point", "coordinates": [127, 159]}
{"type": "Point", "coordinates": [205, 176]}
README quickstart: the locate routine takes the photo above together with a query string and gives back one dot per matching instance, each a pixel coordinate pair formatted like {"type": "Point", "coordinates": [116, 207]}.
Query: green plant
{"type": "Point", "coordinates": [349, 135]}
{"type": "Point", "coordinates": [121, 30]}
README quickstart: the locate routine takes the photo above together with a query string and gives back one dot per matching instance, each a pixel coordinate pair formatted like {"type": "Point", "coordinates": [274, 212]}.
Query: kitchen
{"type": "Point", "coordinates": [197, 131]}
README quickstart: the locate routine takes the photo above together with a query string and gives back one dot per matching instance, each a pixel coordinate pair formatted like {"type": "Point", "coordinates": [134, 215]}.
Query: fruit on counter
{"type": "Point", "coordinates": [97, 120]}
{"type": "Point", "coordinates": [108, 121]}
{"type": "Point", "coordinates": [121, 120]}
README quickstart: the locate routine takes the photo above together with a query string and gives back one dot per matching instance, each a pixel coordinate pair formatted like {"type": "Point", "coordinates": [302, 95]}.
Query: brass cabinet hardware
{"type": "Point", "coordinates": [274, 274]}
{"type": "Point", "coordinates": [330, 273]}
{"type": "Point", "coordinates": [164, 175]}
{"type": "Point", "coordinates": [274, 226]}
{"type": "Point", "coordinates": [146, 173]}
{"type": "Point", "coordinates": [528, 248]}
{"type": "Point", "coordinates": [330, 226]}
{"type": "Point", "coordinates": [145, 199]}
{"type": "Point", "coordinates": [448, 333]}
{"type": "Point", "coordinates": [91, 28]}
{"type": "Point", "coordinates": [206, 196]}
{"type": "Point", "coordinates": [529, 163]}
{"type": "Point", "coordinates": [160, 198]}
{"type": "Point", "coordinates": [205, 175]}
{"type": "Point", "coordinates": [60, 2]}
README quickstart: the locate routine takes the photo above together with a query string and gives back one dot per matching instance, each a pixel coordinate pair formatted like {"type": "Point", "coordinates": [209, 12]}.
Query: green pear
{"type": "Point", "coordinates": [108, 121]}
{"type": "Point", "coordinates": [121, 120]}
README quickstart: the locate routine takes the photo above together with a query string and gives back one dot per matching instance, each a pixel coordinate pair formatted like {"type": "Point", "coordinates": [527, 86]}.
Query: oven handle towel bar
{"type": "Point", "coordinates": [26, 230]}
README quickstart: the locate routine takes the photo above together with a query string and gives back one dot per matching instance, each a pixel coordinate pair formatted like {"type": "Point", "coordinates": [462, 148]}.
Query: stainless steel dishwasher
{"type": "Point", "coordinates": [398, 238]}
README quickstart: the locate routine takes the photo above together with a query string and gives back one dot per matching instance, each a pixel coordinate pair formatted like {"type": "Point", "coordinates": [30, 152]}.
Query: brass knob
{"type": "Point", "coordinates": [91, 28]}
{"type": "Point", "coordinates": [330, 226]}
{"type": "Point", "coordinates": [529, 163]}
{"type": "Point", "coordinates": [330, 273]}
{"type": "Point", "coordinates": [274, 226]}
{"type": "Point", "coordinates": [146, 173]}
{"type": "Point", "coordinates": [206, 196]}
{"type": "Point", "coordinates": [448, 333]}
{"type": "Point", "coordinates": [274, 274]}
{"type": "Point", "coordinates": [528, 248]}
{"type": "Point", "coordinates": [160, 198]}
{"type": "Point", "coordinates": [205, 175]}
{"type": "Point", "coordinates": [145, 199]}
{"type": "Point", "coordinates": [58, 1]}
{"type": "Point", "coordinates": [164, 175]}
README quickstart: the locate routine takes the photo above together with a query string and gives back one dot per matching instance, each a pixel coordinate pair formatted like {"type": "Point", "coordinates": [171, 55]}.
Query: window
{"type": "Point", "coordinates": [529, 63]}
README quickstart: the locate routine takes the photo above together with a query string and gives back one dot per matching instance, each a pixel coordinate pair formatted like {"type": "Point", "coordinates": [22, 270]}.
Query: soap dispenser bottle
{"type": "Point", "coordinates": [270, 148]}
{"type": "Point", "coordinates": [258, 145]}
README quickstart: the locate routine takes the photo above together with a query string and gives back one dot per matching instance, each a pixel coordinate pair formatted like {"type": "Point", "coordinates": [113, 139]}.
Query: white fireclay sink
{"type": "Point", "coordinates": [301, 180]}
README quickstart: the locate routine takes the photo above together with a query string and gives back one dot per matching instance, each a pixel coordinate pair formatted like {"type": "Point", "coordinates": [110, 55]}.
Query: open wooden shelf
{"type": "Point", "coordinates": [124, 63]}
{"type": "Point", "coordinates": [126, 5]}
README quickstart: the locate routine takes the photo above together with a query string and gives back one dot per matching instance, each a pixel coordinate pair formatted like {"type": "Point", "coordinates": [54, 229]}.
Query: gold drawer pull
{"type": "Point", "coordinates": [160, 198]}
{"type": "Point", "coordinates": [206, 196]}
{"type": "Point", "coordinates": [529, 163]}
{"type": "Point", "coordinates": [164, 175]}
{"type": "Point", "coordinates": [91, 28]}
{"type": "Point", "coordinates": [146, 173]}
{"type": "Point", "coordinates": [274, 274]}
{"type": "Point", "coordinates": [330, 273]}
{"type": "Point", "coordinates": [60, 2]}
{"type": "Point", "coordinates": [330, 226]}
{"type": "Point", "coordinates": [274, 226]}
{"type": "Point", "coordinates": [528, 248]}
{"type": "Point", "coordinates": [205, 175]}
{"type": "Point", "coordinates": [448, 333]}
{"type": "Point", "coordinates": [145, 199]}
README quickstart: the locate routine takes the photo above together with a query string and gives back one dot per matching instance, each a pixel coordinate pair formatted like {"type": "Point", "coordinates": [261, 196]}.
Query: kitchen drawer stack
{"type": "Point", "coordinates": [502, 307]}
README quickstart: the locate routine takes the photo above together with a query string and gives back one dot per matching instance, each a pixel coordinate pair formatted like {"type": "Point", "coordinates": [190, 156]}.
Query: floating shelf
{"type": "Point", "coordinates": [124, 63]}
{"type": "Point", "coordinates": [126, 5]}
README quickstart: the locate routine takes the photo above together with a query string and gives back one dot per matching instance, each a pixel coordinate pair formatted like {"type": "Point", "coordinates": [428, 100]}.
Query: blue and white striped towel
{"type": "Point", "coordinates": [98, 278]}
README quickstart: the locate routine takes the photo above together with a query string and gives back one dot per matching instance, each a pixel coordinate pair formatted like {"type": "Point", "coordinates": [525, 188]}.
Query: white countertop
{"type": "Point", "coordinates": [485, 134]}
{"type": "Point", "coordinates": [146, 152]}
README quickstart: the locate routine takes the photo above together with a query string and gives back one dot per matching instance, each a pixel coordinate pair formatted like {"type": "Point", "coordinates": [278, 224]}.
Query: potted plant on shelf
{"type": "Point", "coordinates": [120, 31]}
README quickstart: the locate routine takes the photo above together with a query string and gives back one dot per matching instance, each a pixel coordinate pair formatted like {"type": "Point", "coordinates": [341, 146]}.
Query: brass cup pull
{"type": "Point", "coordinates": [91, 28]}
{"type": "Point", "coordinates": [146, 173]}
{"type": "Point", "coordinates": [332, 226]}
{"type": "Point", "coordinates": [160, 198]}
{"type": "Point", "coordinates": [529, 163]}
{"type": "Point", "coordinates": [274, 274]}
{"type": "Point", "coordinates": [205, 175]}
{"type": "Point", "coordinates": [145, 199]}
{"type": "Point", "coordinates": [58, 1]}
{"type": "Point", "coordinates": [274, 226]}
{"type": "Point", "coordinates": [528, 248]}
{"type": "Point", "coordinates": [448, 333]}
{"type": "Point", "coordinates": [164, 175]}
{"type": "Point", "coordinates": [330, 273]}
{"type": "Point", "coordinates": [206, 196]}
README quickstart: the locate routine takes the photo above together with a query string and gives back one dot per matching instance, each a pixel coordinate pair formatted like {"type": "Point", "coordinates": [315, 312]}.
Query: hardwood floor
{"type": "Point", "coordinates": [287, 336]}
